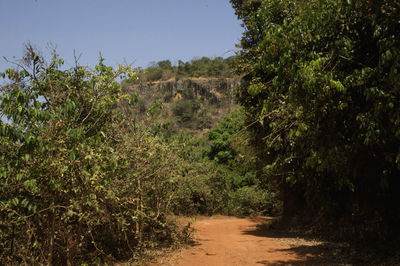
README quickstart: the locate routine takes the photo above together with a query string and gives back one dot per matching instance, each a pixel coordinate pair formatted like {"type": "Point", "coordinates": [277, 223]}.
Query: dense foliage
{"type": "Point", "coordinates": [321, 89]}
{"type": "Point", "coordinates": [89, 174]}
{"type": "Point", "coordinates": [201, 67]}
{"type": "Point", "coordinates": [79, 181]}
{"type": "Point", "coordinates": [219, 174]}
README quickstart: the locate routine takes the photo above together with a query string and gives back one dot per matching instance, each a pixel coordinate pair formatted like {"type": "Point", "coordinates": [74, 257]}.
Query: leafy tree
{"type": "Point", "coordinates": [185, 110]}
{"type": "Point", "coordinates": [200, 67]}
{"type": "Point", "coordinates": [166, 64]}
{"type": "Point", "coordinates": [321, 90]}
{"type": "Point", "coordinates": [79, 182]}
{"type": "Point", "coordinates": [222, 137]}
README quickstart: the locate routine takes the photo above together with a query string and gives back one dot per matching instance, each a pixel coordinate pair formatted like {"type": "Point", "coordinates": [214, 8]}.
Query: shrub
{"type": "Point", "coordinates": [79, 181]}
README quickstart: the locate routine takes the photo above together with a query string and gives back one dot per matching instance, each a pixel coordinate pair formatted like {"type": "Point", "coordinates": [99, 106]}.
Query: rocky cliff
{"type": "Point", "coordinates": [213, 90]}
{"type": "Point", "coordinates": [190, 103]}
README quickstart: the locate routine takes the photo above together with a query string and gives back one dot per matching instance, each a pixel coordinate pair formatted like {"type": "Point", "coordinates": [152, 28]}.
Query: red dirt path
{"type": "Point", "coordinates": [234, 241]}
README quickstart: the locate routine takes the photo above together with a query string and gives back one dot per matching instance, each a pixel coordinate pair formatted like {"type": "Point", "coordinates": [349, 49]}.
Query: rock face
{"type": "Point", "coordinates": [213, 90]}
{"type": "Point", "coordinates": [190, 104]}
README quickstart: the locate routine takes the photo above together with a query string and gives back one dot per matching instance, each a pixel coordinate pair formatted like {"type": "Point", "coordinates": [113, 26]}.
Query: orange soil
{"type": "Point", "coordinates": [234, 241]}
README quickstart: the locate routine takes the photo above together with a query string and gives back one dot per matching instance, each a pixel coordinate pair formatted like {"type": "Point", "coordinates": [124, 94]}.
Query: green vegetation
{"type": "Point", "coordinates": [191, 112]}
{"type": "Point", "coordinates": [80, 181]}
{"type": "Point", "coordinates": [91, 168]}
{"type": "Point", "coordinates": [321, 91]}
{"type": "Point", "coordinates": [216, 183]}
{"type": "Point", "coordinates": [202, 67]}
{"type": "Point", "coordinates": [90, 173]}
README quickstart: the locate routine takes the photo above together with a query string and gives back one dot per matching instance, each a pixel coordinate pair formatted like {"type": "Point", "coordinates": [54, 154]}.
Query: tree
{"type": "Point", "coordinates": [321, 91]}
{"type": "Point", "coordinates": [165, 64]}
{"type": "Point", "coordinates": [79, 181]}
{"type": "Point", "coordinates": [222, 137]}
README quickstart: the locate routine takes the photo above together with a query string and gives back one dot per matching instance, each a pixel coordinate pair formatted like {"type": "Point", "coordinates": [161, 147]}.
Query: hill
{"type": "Point", "coordinates": [186, 100]}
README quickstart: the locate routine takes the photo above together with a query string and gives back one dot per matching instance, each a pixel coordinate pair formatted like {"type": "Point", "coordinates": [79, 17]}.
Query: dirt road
{"type": "Point", "coordinates": [235, 241]}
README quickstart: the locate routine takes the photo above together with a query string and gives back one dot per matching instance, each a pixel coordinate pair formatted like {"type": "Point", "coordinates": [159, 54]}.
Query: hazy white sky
{"type": "Point", "coordinates": [139, 31]}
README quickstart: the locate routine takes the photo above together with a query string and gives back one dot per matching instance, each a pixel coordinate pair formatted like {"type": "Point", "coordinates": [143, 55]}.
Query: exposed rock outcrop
{"type": "Point", "coordinates": [189, 104]}
{"type": "Point", "coordinates": [213, 90]}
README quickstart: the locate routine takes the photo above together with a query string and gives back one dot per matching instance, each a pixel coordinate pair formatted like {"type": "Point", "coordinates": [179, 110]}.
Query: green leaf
{"type": "Point", "coordinates": [15, 201]}
{"type": "Point", "coordinates": [254, 89]}
{"type": "Point", "coordinates": [24, 202]}
{"type": "Point", "coordinates": [19, 177]}
{"type": "Point", "coordinates": [30, 184]}
{"type": "Point", "coordinates": [337, 85]}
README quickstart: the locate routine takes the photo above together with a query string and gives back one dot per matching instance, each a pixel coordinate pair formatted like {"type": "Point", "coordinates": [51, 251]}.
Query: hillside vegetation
{"type": "Point", "coordinates": [200, 67]}
{"type": "Point", "coordinates": [95, 162]}
{"type": "Point", "coordinates": [91, 169]}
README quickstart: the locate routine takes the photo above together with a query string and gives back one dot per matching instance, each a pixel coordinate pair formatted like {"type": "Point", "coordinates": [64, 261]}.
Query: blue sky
{"type": "Point", "coordinates": [138, 31]}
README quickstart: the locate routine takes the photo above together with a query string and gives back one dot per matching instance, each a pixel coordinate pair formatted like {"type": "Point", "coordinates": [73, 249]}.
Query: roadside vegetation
{"type": "Point", "coordinates": [321, 94]}
{"type": "Point", "coordinates": [89, 177]}
{"type": "Point", "coordinates": [80, 180]}
{"type": "Point", "coordinates": [93, 162]}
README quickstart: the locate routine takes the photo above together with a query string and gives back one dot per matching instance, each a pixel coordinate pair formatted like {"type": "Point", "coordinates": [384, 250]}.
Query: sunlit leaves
{"type": "Point", "coordinates": [69, 160]}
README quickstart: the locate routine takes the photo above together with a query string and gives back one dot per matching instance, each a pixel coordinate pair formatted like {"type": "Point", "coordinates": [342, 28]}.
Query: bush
{"type": "Point", "coordinates": [252, 201]}
{"type": "Point", "coordinates": [185, 111]}
{"type": "Point", "coordinates": [225, 187]}
{"type": "Point", "coordinates": [80, 183]}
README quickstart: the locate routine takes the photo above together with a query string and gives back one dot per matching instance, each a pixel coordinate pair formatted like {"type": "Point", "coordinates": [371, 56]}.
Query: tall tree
{"type": "Point", "coordinates": [321, 86]}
